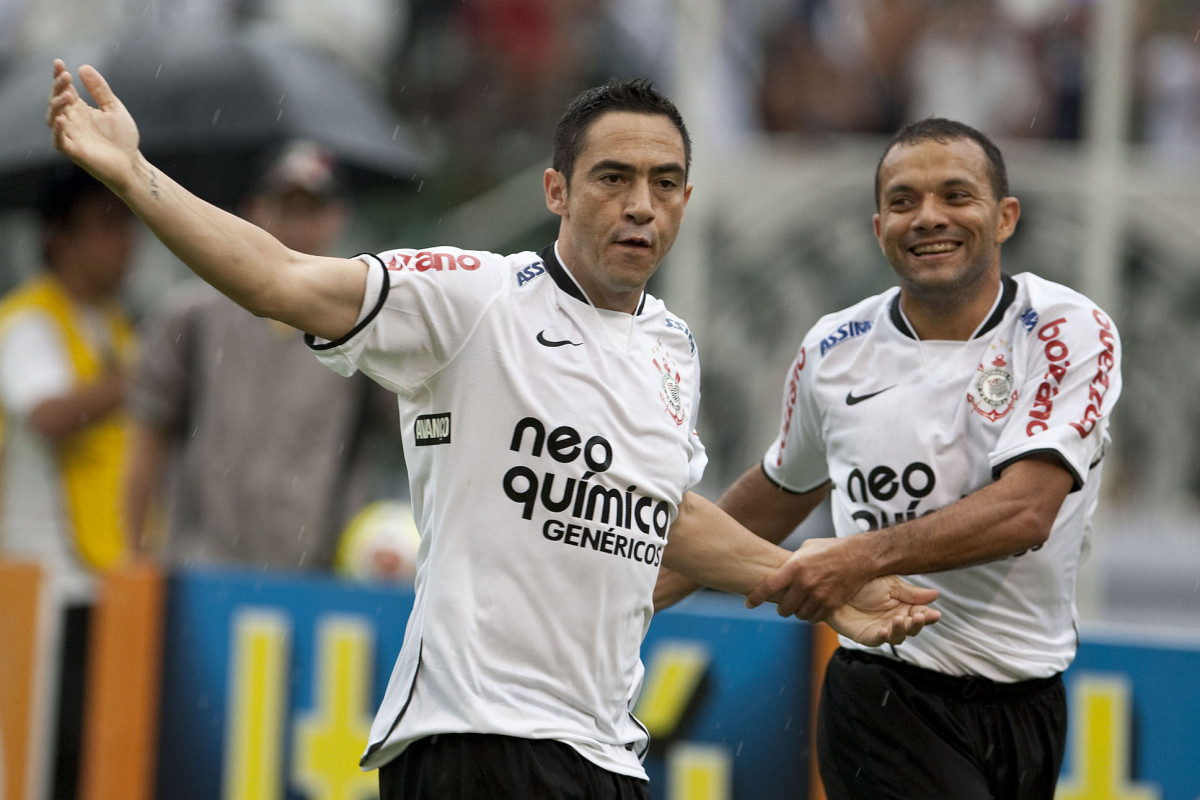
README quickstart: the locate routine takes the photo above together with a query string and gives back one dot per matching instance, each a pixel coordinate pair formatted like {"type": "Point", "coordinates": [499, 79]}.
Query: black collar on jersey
{"type": "Point", "coordinates": [1008, 293]}
{"type": "Point", "coordinates": [559, 273]}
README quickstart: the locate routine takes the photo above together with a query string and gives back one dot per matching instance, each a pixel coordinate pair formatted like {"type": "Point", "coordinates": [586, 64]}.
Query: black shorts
{"type": "Point", "coordinates": [892, 730]}
{"type": "Point", "coordinates": [474, 766]}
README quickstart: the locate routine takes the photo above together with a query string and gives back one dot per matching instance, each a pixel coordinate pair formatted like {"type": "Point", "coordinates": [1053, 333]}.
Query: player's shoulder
{"type": "Point", "coordinates": [450, 260]}
{"type": "Point", "coordinates": [849, 324]}
{"type": "Point", "coordinates": [667, 325]}
{"type": "Point", "coordinates": [458, 271]}
{"type": "Point", "coordinates": [1046, 293]}
{"type": "Point", "coordinates": [1041, 301]}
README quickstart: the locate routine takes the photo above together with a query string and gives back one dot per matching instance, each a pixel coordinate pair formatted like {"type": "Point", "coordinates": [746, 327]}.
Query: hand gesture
{"type": "Point", "coordinates": [102, 139]}
{"type": "Point", "coordinates": [820, 577]}
{"type": "Point", "coordinates": [885, 610]}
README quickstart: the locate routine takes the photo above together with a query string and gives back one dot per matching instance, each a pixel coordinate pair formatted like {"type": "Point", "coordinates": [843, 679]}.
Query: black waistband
{"type": "Point", "coordinates": [970, 687]}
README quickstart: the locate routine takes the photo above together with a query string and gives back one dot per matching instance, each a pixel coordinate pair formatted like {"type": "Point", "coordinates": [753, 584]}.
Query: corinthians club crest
{"type": "Point", "coordinates": [669, 391]}
{"type": "Point", "coordinates": [992, 393]}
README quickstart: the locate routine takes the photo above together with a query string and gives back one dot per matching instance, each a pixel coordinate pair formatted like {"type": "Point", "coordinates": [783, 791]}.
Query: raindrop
{"type": "Point", "coordinates": [279, 115]}
{"type": "Point", "coordinates": [1196, 38]}
{"type": "Point", "coordinates": [158, 71]}
{"type": "Point", "coordinates": [395, 133]}
{"type": "Point", "coordinates": [216, 116]}
{"type": "Point", "coordinates": [886, 695]}
{"type": "Point", "coordinates": [738, 751]}
{"type": "Point", "coordinates": [420, 186]}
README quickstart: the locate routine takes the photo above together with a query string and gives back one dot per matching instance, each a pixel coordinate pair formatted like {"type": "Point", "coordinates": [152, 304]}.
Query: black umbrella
{"type": "Point", "coordinates": [208, 104]}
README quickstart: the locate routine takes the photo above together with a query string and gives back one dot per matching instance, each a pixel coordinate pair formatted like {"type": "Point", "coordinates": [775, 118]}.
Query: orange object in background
{"type": "Point", "coordinates": [26, 675]}
{"type": "Point", "coordinates": [124, 670]}
{"type": "Point", "coordinates": [824, 642]}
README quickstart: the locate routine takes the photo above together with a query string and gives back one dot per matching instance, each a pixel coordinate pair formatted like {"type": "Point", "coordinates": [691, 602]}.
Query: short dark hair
{"type": "Point", "coordinates": [945, 131]}
{"type": "Point", "coordinates": [638, 96]}
{"type": "Point", "coordinates": [63, 191]}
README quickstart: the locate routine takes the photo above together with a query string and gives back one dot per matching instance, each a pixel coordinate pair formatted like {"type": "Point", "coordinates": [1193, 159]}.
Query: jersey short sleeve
{"type": "Point", "coordinates": [1071, 382]}
{"type": "Point", "coordinates": [796, 458]}
{"type": "Point", "coordinates": [419, 308]}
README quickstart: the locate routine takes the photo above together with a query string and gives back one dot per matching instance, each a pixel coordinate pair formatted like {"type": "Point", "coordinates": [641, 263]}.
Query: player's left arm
{"type": "Point", "coordinates": [711, 548]}
{"type": "Point", "coordinates": [1013, 514]}
{"type": "Point", "coordinates": [1054, 434]}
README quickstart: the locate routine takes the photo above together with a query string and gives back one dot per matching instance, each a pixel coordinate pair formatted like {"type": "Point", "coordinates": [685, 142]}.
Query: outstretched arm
{"type": "Point", "coordinates": [1011, 515]}
{"type": "Point", "coordinates": [319, 295]}
{"type": "Point", "coordinates": [757, 504]}
{"type": "Point", "coordinates": [706, 545]}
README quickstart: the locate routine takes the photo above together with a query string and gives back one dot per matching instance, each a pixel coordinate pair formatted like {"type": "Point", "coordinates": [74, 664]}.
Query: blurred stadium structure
{"type": "Point", "coordinates": [779, 233]}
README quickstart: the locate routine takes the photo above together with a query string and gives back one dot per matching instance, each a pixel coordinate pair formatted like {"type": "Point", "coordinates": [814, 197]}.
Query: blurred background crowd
{"type": "Point", "coordinates": [790, 102]}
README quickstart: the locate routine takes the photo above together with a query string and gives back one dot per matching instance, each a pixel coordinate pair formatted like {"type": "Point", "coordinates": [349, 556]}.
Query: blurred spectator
{"type": "Point", "coordinates": [211, 372]}
{"type": "Point", "coordinates": [839, 67]}
{"type": "Point", "coordinates": [677, 43]}
{"type": "Point", "coordinates": [65, 346]}
{"type": "Point", "coordinates": [973, 64]}
{"type": "Point", "coordinates": [364, 34]}
{"type": "Point", "coordinates": [64, 349]}
{"type": "Point", "coordinates": [1170, 82]}
{"type": "Point", "coordinates": [485, 79]}
{"type": "Point", "coordinates": [1060, 40]}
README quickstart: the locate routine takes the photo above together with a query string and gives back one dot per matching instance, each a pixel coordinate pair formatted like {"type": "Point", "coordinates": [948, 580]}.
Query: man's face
{"type": "Point", "coordinates": [939, 224]}
{"type": "Point", "coordinates": [96, 242]}
{"type": "Point", "coordinates": [622, 210]}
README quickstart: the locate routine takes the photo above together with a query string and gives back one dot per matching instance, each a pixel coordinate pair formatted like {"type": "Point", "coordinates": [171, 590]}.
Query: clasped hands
{"type": "Point", "coordinates": [823, 582]}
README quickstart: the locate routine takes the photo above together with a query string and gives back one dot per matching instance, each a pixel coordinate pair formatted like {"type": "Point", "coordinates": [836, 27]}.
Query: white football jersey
{"type": "Point", "coordinates": [902, 427]}
{"type": "Point", "coordinates": [548, 445]}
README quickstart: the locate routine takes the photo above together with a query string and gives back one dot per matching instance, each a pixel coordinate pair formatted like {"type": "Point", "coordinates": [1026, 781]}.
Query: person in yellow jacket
{"type": "Point", "coordinates": [65, 347]}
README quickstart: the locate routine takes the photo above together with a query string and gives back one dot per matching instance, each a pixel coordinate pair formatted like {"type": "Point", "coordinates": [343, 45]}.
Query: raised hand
{"type": "Point", "coordinates": [102, 139]}
{"type": "Point", "coordinates": [885, 610]}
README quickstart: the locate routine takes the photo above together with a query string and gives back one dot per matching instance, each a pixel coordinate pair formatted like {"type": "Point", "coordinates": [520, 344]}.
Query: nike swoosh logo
{"type": "Point", "coordinates": [851, 399]}
{"type": "Point", "coordinates": [541, 337]}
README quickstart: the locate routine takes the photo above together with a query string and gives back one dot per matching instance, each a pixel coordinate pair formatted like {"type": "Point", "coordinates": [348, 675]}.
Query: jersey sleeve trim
{"type": "Point", "coordinates": [1045, 451]}
{"type": "Point", "coordinates": [762, 466]}
{"type": "Point", "coordinates": [385, 287]}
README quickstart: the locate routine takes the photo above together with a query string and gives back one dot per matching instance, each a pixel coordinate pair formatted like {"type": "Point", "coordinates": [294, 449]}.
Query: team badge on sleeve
{"type": "Point", "coordinates": [991, 393]}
